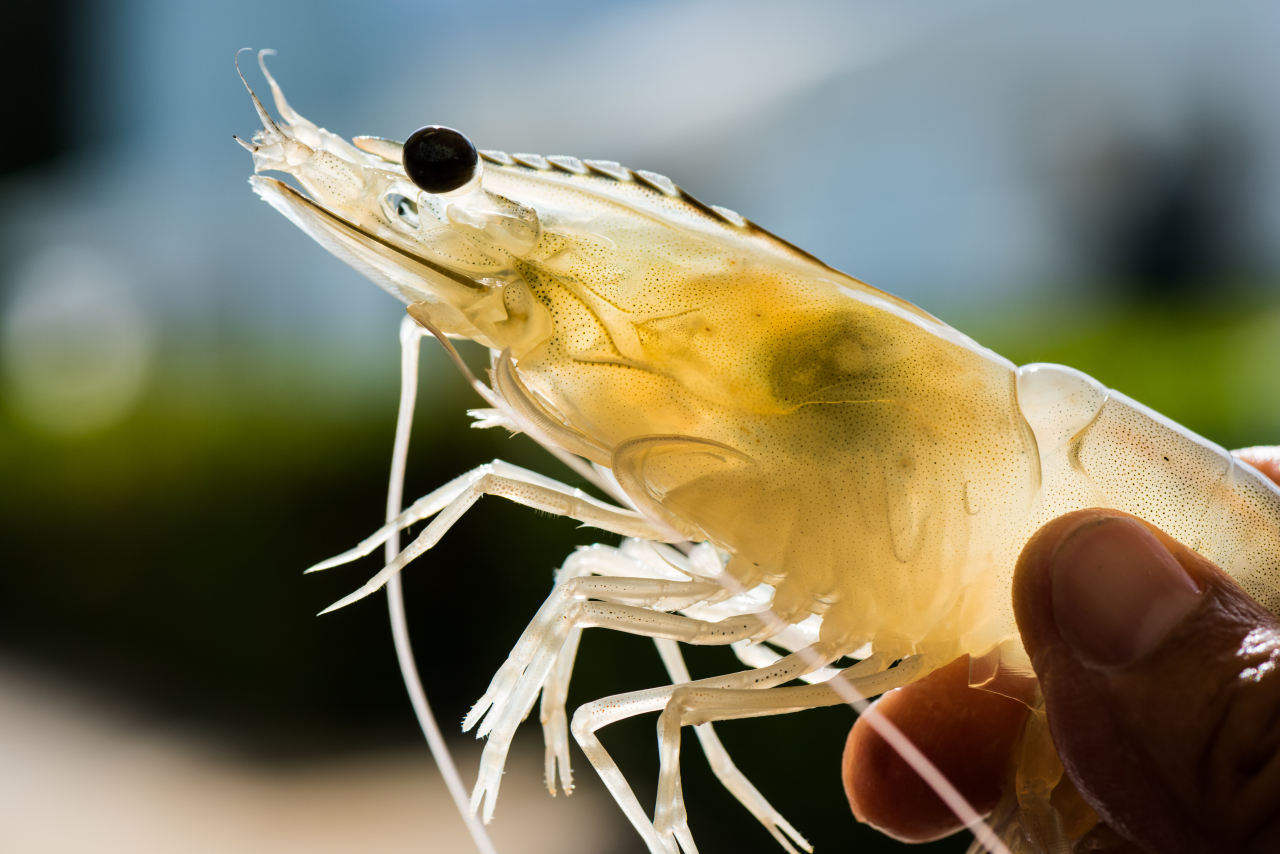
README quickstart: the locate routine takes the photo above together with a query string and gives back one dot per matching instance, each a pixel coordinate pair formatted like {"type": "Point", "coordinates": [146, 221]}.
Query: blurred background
{"type": "Point", "coordinates": [196, 402]}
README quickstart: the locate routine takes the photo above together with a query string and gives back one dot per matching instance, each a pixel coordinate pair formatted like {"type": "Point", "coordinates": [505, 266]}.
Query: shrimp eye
{"type": "Point", "coordinates": [439, 159]}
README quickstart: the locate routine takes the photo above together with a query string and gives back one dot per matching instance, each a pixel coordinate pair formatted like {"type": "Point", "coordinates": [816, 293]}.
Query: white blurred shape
{"type": "Point", "coordinates": [77, 345]}
{"type": "Point", "coordinates": [78, 774]}
{"type": "Point", "coordinates": [639, 77]}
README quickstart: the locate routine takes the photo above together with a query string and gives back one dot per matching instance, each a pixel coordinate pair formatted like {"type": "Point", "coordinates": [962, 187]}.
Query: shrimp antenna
{"type": "Point", "coordinates": [277, 94]}
{"type": "Point", "coordinates": [268, 123]}
{"type": "Point", "coordinates": [412, 330]}
{"type": "Point", "coordinates": [410, 339]}
{"type": "Point", "coordinates": [481, 389]}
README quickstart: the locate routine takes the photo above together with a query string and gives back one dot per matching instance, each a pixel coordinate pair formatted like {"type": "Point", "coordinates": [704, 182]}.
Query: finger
{"type": "Point", "coordinates": [1159, 683]}
{"type": "Point", "coordinates": [968, 733]}
{"type": "Point", "coordinates": [1104, 840]}
{"type": "Point", "coordinates": [1264, 459]}
{"type": "Point", "coordinates": [884, 792]}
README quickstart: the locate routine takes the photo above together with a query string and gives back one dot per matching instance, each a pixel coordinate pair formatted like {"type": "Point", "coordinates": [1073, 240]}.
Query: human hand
{"type": "Point", "coordinates": [1158, 673]}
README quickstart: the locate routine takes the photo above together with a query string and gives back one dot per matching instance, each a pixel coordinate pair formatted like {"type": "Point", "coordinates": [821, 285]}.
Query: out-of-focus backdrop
{"type": "Point", "coordinates": [196, 402]}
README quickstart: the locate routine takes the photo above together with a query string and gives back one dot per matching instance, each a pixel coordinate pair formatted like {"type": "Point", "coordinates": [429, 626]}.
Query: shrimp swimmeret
{"type": "Point", "coordinates": [845, 482]}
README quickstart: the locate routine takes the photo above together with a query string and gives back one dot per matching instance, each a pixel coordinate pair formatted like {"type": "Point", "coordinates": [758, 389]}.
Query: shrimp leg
{"type": "Point", "coordinates": [594, 716]}
{"type": "Point", "coordinates": [639, 604]}
{"type": "Point", "coordinates": [724, 768]}
{"type": "Point", "coordinates": [437, 500]}
{"type": "Point", "coordinates": [695, 704]}
{"type": "Point", "coordinates": [638, 559]}
{"type": "Point", "coordinates": [597, 559]}
{"type": "Point", "coordinates": [515, 686]}
{"type": "Point", "coordinates": [561, 500]}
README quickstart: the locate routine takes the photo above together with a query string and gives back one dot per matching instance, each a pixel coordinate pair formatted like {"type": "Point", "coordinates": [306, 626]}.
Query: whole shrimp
{"type": "Point", "coordinates": [799, 461]}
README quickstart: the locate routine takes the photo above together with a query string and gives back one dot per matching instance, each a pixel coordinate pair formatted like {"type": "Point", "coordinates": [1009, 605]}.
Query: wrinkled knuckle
{"type": "Point", "coordinates": [1241, 783]}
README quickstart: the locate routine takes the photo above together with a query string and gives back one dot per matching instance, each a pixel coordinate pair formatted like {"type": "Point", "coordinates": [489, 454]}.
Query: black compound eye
{"type": "Point", "coordinates": [439, 159]}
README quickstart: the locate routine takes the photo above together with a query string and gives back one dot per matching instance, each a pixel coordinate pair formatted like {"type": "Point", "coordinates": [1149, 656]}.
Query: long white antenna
{"type": "Point", "coordinates": [936, 780]}
{"type": "Point", "coordinates": [410, 338]}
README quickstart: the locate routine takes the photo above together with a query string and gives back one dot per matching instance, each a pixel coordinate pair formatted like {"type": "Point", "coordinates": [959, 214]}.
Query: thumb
{"type": "Point", "coordinates": [1160, 683]}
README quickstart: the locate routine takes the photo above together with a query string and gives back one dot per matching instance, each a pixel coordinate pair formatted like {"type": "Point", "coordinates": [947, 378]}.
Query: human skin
{"type": "Point", "coordinates": [1161, 697]}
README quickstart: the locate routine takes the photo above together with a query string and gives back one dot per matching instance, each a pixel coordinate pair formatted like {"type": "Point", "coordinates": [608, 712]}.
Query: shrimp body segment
{"type": "Point", "coordinates": [876, 470]}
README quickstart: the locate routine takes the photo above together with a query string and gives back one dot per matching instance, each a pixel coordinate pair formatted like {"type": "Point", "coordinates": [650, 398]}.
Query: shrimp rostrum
{"type": "Point", "coordinates": [804, 467]}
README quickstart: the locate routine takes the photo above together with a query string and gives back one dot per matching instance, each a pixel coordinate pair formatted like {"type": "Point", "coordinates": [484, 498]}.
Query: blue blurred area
{"type": "Point", "coordinates": [953, 153]}
{"type": "Point", "coordinates": [196, 401]}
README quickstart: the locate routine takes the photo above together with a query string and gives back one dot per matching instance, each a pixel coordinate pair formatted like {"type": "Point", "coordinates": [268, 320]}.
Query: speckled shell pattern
{"type": "Point", "coordinates": [889, 474]}
{"type": "Point", "coordinates": [870, 462]}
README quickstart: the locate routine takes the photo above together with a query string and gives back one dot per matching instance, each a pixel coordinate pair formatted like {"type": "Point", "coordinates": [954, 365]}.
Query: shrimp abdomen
{"type": "Point", "coordinates": [1100, 448]}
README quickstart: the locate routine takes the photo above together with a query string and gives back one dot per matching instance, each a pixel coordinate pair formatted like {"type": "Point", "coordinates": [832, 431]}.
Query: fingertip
{"type": "Point", "coordinates": [851, 773]}
{"type": "Point", "coordinates": [1264, 459]}
{"type": "Point", "coordinates": [1076, 567]}
{"type": "Point", "coordinates": [1136, 641]}
{"type": "Point", "coordinates": [1033, 577]}
{"type": "Point", "coordinates": [968, 733]}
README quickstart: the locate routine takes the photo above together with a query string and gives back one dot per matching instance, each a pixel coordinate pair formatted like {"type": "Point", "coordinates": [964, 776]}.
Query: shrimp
{"type": "Point", "coordinates": [811, 471]}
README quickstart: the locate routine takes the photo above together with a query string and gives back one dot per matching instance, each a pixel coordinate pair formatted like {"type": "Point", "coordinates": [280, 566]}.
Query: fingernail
{"type": "Point", "coordinates": [1117, 591]}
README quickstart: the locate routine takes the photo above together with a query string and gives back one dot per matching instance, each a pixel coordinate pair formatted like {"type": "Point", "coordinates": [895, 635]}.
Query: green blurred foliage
{"type": "Point", "coordinates": [162, 559]}
{"type": "Point", "coordinates": [1212, 367]}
